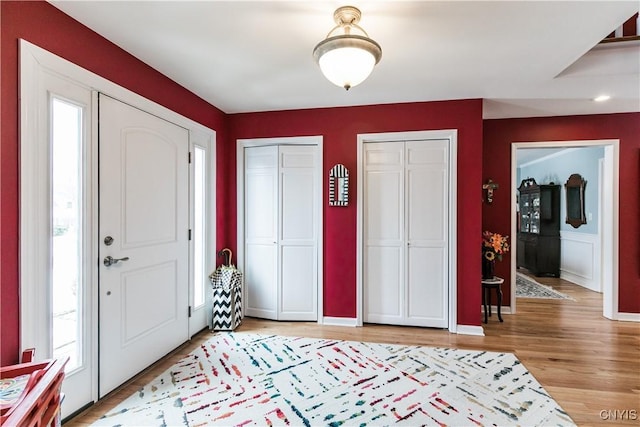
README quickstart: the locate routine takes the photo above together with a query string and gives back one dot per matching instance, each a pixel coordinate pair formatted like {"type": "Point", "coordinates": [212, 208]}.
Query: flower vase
{"type": "Point", "coordinates": [488, 268]}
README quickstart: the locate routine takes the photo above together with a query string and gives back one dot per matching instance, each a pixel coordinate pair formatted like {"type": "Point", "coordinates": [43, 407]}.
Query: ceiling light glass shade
{"type": "Point", "coordinates": [347, 59]}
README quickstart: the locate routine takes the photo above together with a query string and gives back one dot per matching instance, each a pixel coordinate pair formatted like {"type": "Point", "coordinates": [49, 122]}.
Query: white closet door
{"type": "Point", "coordinates": [405, 233]}
{"type": "Point", "coordinates": [261, 231]}
{"type": "Point", "coordinates": [384, 233]}
{"type": "Point", "coordinates": [427, 225]}
{"type": "Point", "coordinates": [298, 248]}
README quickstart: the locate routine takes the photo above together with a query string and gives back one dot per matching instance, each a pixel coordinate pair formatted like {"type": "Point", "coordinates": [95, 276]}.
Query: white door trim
{"type": "Point", "coordinates": [295, 140]}
{"type": "Point", "coordinates": [610, 183]}
{"type": "Point", "coordinates": [452, 136]}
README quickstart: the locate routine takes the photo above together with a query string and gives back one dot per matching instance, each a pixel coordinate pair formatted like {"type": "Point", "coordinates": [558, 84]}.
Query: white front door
{"type": "Point", "coordinates": [141, 199]}
{"type": "Point", "coordinates": [143, 232]}
{"type": "Point", "coordinates": [406, 233]}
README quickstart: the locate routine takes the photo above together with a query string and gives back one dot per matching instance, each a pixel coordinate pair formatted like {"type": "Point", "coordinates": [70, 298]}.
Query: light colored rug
{"type": "Point", "coordinates": [526, 287]}
{"type": "Point", "coordinates": [246, 379]}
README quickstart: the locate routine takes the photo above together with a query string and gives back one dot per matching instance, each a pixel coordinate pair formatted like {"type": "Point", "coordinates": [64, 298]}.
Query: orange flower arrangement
{"type": "Point", "coordinates": [494, 245]}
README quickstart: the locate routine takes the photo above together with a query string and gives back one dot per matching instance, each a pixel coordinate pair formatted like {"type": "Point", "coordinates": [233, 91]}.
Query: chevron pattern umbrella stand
{"type": "Point", "coordinates": [226, 281]}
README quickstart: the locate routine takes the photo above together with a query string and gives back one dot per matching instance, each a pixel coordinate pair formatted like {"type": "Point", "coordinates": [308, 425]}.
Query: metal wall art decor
{"type": "Point", "coordinates": [489, 187]}
{"type": "Point", "coordinates": [339, 186]}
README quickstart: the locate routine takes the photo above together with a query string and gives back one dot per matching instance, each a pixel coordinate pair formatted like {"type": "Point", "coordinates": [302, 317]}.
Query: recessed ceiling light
{"type": "Point", "coordinates": [602, 98]}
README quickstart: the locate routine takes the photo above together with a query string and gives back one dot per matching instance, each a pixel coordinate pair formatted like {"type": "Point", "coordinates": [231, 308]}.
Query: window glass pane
{"type": "Point", "coordinates": [199, 232]}
{"type": "Point", "coordinates": [67, 231]}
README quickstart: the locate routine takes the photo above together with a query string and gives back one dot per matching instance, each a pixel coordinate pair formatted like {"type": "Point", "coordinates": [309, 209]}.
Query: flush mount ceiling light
{"type": "Point", "coordinates": [347, 55]}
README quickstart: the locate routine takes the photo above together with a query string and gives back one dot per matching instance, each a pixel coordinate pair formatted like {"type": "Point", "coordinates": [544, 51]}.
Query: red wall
{"type": "Point", "coordinates": [339, 127]}
{"type": "Point", "coordinates": [497, 139]}
{"type": "Point", "coordinates": [44, 25]}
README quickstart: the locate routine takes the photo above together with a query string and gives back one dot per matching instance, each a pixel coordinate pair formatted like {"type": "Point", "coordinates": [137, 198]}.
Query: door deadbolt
{"type": "Point", "coordinates": [108, 240]}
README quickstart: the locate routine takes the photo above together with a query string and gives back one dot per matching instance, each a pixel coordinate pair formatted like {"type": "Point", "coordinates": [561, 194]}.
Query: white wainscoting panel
{"type": "Point", "coordinates": [580, 259]}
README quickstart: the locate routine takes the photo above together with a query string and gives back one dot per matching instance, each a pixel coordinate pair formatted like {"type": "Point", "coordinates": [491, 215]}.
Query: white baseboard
{"type": "Point", "coordinates": [470, 330]}
{"type": "Point", "coordinates": [340, 321]}
{"type": "Point", "coordinates": [629, 317]}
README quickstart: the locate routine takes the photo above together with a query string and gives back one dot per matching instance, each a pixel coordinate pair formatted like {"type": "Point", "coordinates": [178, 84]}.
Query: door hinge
{"type": "Point", "coordinates": [189, 311]}
{"type": "Point", "coordinates": [189, 156]}
{"type": "Point", "coordinates": [189, 234]}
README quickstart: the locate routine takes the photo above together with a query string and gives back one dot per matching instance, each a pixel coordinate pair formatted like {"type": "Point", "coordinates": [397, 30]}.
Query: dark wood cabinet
{"type": "Point", "coordinates": [538, 246]}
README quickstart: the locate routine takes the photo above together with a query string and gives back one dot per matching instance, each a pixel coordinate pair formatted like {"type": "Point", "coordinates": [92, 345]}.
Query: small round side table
{"type": "Point", "coordinates": [487, 285]}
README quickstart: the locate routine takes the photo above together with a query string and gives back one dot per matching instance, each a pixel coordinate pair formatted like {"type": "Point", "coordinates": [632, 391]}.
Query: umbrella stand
{"type": "Point", "coordinates": [226, 281]}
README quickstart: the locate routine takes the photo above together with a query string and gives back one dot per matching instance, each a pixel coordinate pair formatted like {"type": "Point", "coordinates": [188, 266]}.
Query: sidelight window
{"type": "Point", "coordinates": [200, 230]}
{"type": "Point", "coordinates": [66, 230]}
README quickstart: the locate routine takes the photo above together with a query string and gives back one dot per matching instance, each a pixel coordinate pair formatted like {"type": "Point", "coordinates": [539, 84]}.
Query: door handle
{"type": "Point", "coordinates": [109, 260]}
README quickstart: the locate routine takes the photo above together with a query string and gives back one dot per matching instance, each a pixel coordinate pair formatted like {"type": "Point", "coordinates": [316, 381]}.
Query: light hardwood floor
{"type": "Point", "coordinates": [587, 363]}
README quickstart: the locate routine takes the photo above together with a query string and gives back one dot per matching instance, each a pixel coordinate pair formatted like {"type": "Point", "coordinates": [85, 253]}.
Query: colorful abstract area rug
{"type": "Point", "coordinates": [526, 287]}
{"type": "Point", "coordinates": [245, 379]}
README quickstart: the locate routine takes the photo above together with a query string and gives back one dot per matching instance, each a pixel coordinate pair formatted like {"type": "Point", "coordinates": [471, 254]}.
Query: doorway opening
{"type": "Point", "coordinates": [606, 245]}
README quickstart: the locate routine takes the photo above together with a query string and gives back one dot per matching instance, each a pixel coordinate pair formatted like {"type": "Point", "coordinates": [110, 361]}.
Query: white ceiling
{"type": "Point", "coordinates": [525, 59]}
